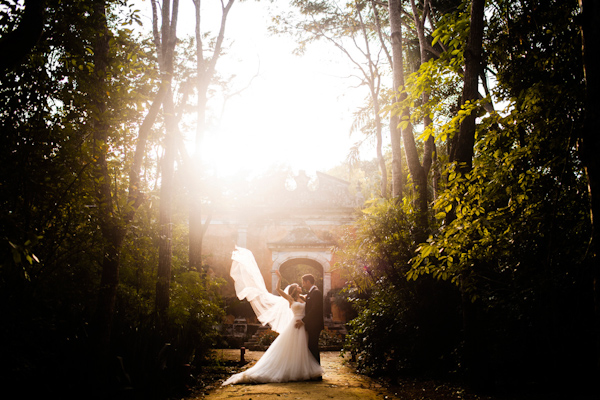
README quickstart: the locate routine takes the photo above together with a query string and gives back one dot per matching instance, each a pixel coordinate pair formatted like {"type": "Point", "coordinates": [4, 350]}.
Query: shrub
{"type": "Point", "coordinates": [267, 337]}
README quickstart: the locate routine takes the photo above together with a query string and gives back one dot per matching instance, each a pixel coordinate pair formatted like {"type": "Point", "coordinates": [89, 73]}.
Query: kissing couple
{"type": "Point", "coordinates": [298, 318]}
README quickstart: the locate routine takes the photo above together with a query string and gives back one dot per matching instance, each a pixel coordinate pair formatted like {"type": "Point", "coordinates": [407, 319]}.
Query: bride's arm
{"type": "Point", "coordinates": [281, 292]}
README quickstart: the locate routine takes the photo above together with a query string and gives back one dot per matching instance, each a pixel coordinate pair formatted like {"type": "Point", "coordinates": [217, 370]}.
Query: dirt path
{"type": "Point", "coordinates": [339, 382]}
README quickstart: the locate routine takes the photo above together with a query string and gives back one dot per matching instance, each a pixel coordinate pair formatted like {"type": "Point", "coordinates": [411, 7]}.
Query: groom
{"type": "Point", "coordinates": [313, 318]}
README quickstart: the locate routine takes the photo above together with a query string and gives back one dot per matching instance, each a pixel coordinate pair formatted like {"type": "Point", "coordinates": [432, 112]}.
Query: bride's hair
{"type": "Point", "coordinates": [294, 290]}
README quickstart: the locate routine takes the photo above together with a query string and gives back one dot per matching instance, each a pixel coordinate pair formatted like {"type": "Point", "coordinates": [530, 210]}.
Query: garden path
{"type": "Point", "coordinates": [339, 382]}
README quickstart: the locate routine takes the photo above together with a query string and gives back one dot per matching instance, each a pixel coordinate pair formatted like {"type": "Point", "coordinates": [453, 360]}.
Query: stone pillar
{"type": "Point", "coordinates": [274, 279]}
{"type": "Point", "coordinates": [326, 283]}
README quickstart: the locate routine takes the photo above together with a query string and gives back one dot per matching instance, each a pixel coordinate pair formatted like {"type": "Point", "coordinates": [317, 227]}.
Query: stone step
{"type": "Point", "coordinates": [252, 343]}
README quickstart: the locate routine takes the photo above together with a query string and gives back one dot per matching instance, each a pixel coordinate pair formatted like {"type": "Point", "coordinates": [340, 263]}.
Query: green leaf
{"type": "Point", "coordinates": [426, 251]}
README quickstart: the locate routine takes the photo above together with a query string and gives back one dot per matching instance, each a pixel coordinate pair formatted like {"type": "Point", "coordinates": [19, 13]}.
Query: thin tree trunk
{"type": "Point", "coordinates": [168, 42]}
{"type": "Point", "coordinates": [205, 70]}
{"type": "Point", "coordinates": [135, 197]}
{"type": "Point", "coordinates": [373, 79]}
{"type": "Point", "coordinates": [424, 53]}
{"type": "Point", "coordinates": [415, 168]}
{"type": "Point", "coordinates": [395, 14]}
{"type": "Point", "coordinates": [436, 173]}
{"type": "Point", "coordinates": [195, 233]}
{"type": "Point", "coordinates": [165, 250]}
{"type": "Point", "coordinates": [428, 150]}
{"type": "Point", "coordinates": [379, 136]}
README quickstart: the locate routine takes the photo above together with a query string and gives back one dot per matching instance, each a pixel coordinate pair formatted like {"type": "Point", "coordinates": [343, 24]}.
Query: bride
{"type": "Point", "coordinates": [288, 357]}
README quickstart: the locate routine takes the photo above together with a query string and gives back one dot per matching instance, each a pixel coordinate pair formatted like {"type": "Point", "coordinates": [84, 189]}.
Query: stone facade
{"type": "Point", "coordinates": [285, 223]}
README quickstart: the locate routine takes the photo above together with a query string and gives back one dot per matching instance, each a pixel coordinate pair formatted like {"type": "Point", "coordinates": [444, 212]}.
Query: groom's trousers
{"type": "Point", "coordinates": [313, 344]}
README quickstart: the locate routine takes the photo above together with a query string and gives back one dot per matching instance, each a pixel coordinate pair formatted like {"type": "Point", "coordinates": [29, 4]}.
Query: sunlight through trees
{"type": "Point", "coordinates": [472, 258]}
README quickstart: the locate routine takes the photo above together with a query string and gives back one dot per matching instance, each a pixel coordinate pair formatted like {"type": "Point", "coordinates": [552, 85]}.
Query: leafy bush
{"type": "Point", "coordinates": [267, 337]}
{"type": "Point", "coordinates": [401, 325]}
{"type": "Point", "coordinates": [196, 310]}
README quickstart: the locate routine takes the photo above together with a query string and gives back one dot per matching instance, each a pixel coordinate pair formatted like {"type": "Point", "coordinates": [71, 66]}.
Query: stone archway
{"type": "Point", "coordinates": [321, 258]}
{"type": "Point", "coordinates": [301, 243]}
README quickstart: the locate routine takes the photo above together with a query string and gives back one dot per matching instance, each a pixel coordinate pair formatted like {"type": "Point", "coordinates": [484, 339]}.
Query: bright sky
{"type": "Point", "coordinates": [297, 112]}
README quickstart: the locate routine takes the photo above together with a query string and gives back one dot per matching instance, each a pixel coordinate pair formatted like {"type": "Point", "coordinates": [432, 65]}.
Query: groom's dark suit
{"type": "Point", "coordinates": [313, 320]}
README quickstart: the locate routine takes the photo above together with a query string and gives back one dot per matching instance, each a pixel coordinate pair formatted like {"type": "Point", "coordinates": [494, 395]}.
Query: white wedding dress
{"type": "Point", "coordinates": [288, 358]}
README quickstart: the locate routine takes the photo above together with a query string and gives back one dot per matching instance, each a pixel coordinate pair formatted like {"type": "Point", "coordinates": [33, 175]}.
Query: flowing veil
{"type": "Point", "coordinates": [250, 285]}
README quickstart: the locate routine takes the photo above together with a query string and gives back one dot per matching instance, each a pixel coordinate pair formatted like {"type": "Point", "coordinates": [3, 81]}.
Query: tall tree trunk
{"type": "Point", "coordinates": [373, 79]}
{"type": "Point", "coordinates": [396, 146]}
{"type": "Point", "coordinates": [112, 232]}
{"type": "Point", "coordinates": [417, 172]}
{"type": "Point", "coordinates": [113, 226]}
{"type": "Point", "coordinates": [475, 351]}
{"type": "Point", "coordinates": [205, 69]}
{"type": "Point", "coordinates": [435, 179]}
{"type": "Point", "coordinates": [135, 196]}
{"type": "Point", "coordinates": [168, 42]}
{"type": "Point", "coordinates": [428, 151]}
{"type": "Point", "coordinates": [379, 136]}
{"type": "Point", "coordinates": [462, 151]}
{"type": "Point", "coordinates": [163, 282]}
{"type": "Point", "coordinates": [196, 231]}
{"type": "Point", "coordinates": [418, 176]}
{"type": "Point", "coordinates": [429, 147]}
{"type": "Point", "coordinates": [395, 14]}
{"type": "Point", "coordinates": [589, 141]}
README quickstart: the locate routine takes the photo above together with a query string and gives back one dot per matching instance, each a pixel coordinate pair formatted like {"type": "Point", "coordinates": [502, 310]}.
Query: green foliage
{"type": "Point", "coordinates": [398, 322]}
{"type": "Point", "coordinates": [509, 239]}
{"type": "Point", "coordinates": [405, 329]}
{"type": "Point", "coordinates": [452, 32]}
{"type": "Point", "coordinates": [526, 176]}
{"type": "Point", "coordinates": [381, 245]}
{"type": "Point", "coordinates": [506, 212]}
{"type": "Point", "coordinates": [195, 311]}
{"type": "Point", "coordinates": [535, 42]}
{"type": "Point", "coordinates": [50, 241]}
{"type": "Point", "coordinates": [440, 78]}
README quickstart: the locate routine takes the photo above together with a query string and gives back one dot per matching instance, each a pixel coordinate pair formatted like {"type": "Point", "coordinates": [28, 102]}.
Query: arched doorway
{"type": "Point", "coordinates": [302, 250]}
{"type": "Point", "coordinates": [294, 263]}
{"type": "Point", "coordinates": [292, 271]}
{"type": "Point", "coordinates": [315, 259]}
